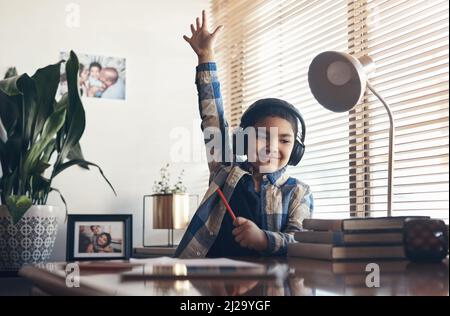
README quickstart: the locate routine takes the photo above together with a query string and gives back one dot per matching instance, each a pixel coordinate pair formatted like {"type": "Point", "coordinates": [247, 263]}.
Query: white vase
{"type": "Point", "coordinates": [29, 241]}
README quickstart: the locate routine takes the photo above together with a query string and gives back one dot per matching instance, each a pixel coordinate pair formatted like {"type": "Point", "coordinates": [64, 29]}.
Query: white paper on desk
{"type": "Point", "coordinates": [213, 262]}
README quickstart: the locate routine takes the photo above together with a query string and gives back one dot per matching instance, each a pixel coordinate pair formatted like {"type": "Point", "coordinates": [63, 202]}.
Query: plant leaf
{"type": "Point", "coordinates": [18, 88]}
{"type": "Point", "coordinates": [9, 86]}
{"type": "Point", "coordinates": [40, 186]}
{"type": "Point", "coordinates": [9, 113]}
{"type": "Point", "coordinates": [17, 206]}
{"type": "Point", "coordinates": [40, 167]}
{"type": "Point", "coordinates": [76, 120]}
{"type": "Point", "coordinates": [76, 153]}
{"type": "Point", "coordinates": [46, 80]}
{"type": "Point", "coordinates": [10, 72]}
{"type": "Point", "coordinates": [9, 152]}
{"type": "Point", "coordinates": [27, 88]}
{"type": "Point", "coordinates": [63, 200]}
{"type": "Point", "coordinates": [53, 124]}
{"type": "Point", "coordinates": [8, 182]}
{"type": "Point", "coordinates": [48, 151]}
{"type": "Point", "coordinates": [62, 103]}
{"type": "Point", "coordinates": [74, 162]}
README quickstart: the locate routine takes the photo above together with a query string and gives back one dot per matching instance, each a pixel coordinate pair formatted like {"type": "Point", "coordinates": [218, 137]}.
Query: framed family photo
{"type": "Point", "coordinates": [98, 76]}
{"type": "Point", "coordinates": [99, 237]}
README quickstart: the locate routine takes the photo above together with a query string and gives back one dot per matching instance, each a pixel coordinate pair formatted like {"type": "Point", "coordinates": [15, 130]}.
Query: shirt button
{"type": "Point", "coordinates": [211, 234]}
{"type": "Point", "coordinates": [198, 253]}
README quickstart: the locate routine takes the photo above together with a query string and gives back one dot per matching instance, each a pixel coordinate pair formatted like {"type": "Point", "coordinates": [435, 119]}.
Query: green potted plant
{"type": "Point", "coordinates": [39, 139]}
{"type": "Point", "coordinates": [170, 203]}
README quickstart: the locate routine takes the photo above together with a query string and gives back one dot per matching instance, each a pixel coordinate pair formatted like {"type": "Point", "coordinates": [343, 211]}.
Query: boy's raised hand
{"type": "Point", "coordinates": [202, 41]}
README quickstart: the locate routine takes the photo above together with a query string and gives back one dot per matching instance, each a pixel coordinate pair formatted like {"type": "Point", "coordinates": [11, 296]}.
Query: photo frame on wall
{"type": "Point", "coordinates": [99, 76]}
{"type": "Point", "coordinates": [99, 237]}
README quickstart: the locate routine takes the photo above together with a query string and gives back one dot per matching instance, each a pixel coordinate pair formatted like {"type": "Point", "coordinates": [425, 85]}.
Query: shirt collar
{"type": "Point", "coordinates": [271, 177]}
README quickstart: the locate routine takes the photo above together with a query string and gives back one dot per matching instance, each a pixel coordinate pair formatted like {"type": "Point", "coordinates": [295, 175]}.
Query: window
{"type": "Point", "coordinates": [265, 51]}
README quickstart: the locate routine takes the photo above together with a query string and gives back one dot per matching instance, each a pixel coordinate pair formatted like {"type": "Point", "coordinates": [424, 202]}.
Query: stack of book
{"type": "Point", "coordinates": [359, 238]}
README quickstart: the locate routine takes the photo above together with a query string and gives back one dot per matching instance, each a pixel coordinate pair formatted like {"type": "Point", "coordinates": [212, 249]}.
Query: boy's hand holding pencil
{"type": "Point", "coordinates": [249, 235]}
{"type": "Point", "coordinates": [246, 233]}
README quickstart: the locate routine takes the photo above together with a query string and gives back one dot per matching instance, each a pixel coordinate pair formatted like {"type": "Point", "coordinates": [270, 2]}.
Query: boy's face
{"type": "Point", "coordinates": [274, 143]}
{"type": "Point", "coordinates": [102, 240]}
{"type": "Point", "coordinates": [94, 72]}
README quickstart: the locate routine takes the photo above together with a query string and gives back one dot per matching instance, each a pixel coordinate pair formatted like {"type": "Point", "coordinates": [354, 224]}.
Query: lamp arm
{"type": "Point", "coordinates": [391, 148]}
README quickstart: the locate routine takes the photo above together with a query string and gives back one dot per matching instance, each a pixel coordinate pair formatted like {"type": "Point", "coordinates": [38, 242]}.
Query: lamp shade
{"type": "Point", "coordinates": [338, 80]}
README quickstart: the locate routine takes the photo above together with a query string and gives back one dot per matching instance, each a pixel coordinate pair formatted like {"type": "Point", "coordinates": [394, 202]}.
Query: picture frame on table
{"type": "Point", "coordinates": [99, 237]}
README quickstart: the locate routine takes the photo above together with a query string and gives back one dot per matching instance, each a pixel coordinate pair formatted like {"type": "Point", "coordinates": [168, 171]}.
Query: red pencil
{"type": "Point", "coordinates": [230, 211]}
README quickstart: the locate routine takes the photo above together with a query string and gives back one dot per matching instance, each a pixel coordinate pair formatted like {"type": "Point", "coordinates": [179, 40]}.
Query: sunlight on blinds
{"type": "Point", "coordinates": [409, 43]}
{"type": "Point", "coordinates": [265, 51]}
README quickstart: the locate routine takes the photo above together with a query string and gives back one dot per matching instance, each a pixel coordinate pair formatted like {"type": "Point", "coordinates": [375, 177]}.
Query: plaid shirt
{"type": "Point", "coordinates": [285, 201]}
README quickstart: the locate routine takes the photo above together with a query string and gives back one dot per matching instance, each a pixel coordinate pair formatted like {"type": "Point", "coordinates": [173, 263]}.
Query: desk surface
{"type": "Point", "coordinates": [307, 277]}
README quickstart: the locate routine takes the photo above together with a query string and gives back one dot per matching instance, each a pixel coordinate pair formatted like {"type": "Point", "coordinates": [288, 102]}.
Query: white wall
{"type": "Point", "coordinates": [128, 139]}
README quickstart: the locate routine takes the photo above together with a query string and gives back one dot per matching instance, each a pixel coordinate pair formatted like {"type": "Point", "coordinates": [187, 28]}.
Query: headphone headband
{"type": "Point", "coordinates": [273, 102]}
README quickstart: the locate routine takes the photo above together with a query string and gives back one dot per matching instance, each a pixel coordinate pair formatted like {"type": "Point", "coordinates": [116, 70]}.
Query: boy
{"type": "Point", "coordinates": [95, 85]}
{"type": "Point", "coordinates": [94, 74]}
{"type": "Point", "coordinates": [269, 205]}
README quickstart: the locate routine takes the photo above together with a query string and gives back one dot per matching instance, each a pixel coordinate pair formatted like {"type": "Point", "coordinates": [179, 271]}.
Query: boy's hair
{"type": "Point", "coordinates": [95, 64]}
{"type": "Point", "coordinates": [270, 110]}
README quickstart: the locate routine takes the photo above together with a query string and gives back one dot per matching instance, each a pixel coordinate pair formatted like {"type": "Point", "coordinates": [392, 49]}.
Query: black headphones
{"type": "Point", "coordinates": [299, 144]}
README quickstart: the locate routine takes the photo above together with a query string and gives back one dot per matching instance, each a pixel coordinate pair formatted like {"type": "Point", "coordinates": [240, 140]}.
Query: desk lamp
{"type": "Point", "coordinates": [338, 81]}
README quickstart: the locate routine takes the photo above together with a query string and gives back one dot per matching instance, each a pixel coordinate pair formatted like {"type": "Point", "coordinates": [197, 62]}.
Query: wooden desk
{"type": "Point", "coordinates": [307, 277]}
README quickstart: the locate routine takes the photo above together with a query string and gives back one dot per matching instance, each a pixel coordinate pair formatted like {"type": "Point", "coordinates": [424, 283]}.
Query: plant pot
{"type": "Point", "coordinates": [170, 211]}
{"type": "Point", "coordinates": [29, 241]}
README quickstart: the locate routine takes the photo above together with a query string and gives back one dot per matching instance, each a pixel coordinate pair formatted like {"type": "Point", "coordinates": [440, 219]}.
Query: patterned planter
{"type": "Point", "coordinates": [31, 240]}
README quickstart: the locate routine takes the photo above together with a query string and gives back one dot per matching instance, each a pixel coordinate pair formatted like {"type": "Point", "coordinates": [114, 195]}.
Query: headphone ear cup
{"type": "Point", "coordinates": [245, 144]}
{"type": "Point", "coordinates": [297, 153]}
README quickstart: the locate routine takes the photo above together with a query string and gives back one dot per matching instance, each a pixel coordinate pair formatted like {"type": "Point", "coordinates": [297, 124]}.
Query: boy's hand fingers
{"type": "Point", "coordinates": [204, 22]}
{"type": "Point", "coordinates": [197, 21]}
{"type": "Point", "coordinates": [240, 221]}
{"type": "Point", "coordinates": [239, 238]}
{"type": "Point", "coordinates": [192, 29]}
{"type": "Point", "coordinates": [238, 230]}
{"type": "Point", "coordinates": [217, 30]}
{"type": "Point", "coordinates": [244, 243]}
{"type": "Point", "coordinates": [187, 39]}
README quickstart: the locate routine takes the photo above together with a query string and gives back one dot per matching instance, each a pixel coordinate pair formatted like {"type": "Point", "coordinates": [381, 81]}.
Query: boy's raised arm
{"type": "Point", "coordinates": [214, 125]}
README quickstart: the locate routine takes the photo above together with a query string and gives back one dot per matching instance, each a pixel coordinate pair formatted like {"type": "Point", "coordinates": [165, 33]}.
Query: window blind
{"type": "Point", "coordinates": [408, 41]}
{"type": "Point", "coordinates": [265, 51]}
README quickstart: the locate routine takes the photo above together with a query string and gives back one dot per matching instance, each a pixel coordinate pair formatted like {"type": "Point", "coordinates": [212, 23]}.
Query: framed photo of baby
{"type": "Point", "coordinates": [99, 237]}
{"type": "Point", "coordinates": [98, 76]}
